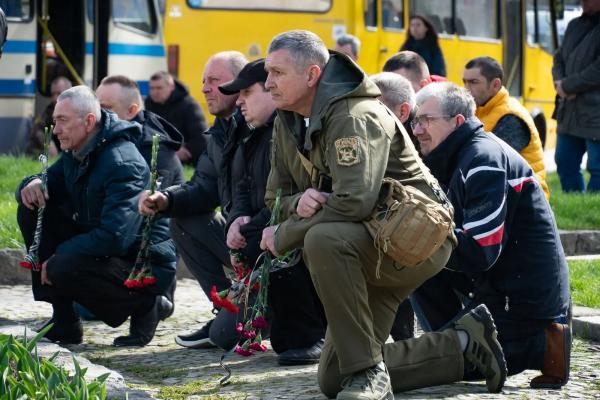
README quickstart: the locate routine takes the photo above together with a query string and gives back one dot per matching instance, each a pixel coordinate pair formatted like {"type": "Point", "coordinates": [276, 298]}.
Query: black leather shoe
{"type": "Point", "coordinates": [308, 355]}
{"type": "Point", "coordinates": [64, 332]}
{"type": "Point", "coordinates": [143, 326]}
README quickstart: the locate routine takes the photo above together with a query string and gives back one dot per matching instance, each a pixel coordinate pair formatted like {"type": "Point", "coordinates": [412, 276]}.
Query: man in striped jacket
{"type": "Point", "coordinates": [509, 254]}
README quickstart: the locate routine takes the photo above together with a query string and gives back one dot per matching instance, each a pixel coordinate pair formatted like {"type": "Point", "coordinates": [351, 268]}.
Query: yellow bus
{"type": "Point", "coordinates": [521, 34]}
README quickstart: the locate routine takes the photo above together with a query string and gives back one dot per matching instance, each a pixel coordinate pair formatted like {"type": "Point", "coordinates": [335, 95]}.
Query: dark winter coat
{"type": "Point", "coordinates": [209, 187]}
{"type": "Point", "coordinates": [250, 168]}
{"type": "Point", "coordinates": [99, 188]}
{"type": "Point", "coordinates": [184, 112]}
{"type": "Point", "coordinates": [168, 164]}
{"type": "Point", "coordinates": [431, 53]}
{"type": "Point", "coordinates": [508, 242]}
{"type": "Point", "coordinates": [577, 64]}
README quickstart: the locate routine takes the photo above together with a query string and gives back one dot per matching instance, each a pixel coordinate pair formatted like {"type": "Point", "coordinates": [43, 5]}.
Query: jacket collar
{"type": "Point", "coordinates": [497, 99]}
{"type": "Point", "coordinates": [442, 161]}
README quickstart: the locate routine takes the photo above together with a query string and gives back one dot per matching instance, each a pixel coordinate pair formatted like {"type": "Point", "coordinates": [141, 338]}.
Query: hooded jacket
{"type": "Point", "coordinates": [170, 140]}
{"type": "Point", "coordinates": [184, 112]}
{"type": "Point", "coordinates": [508, 243]}
{"type": "Point", "coordinates": [352, 138]}
{"type": "Point", "coordinates": [577, 64]}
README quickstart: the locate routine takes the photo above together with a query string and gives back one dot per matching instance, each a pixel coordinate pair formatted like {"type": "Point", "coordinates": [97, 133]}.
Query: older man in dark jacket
{"type": "Point", "coordinates": [196, 226]}
{"type": "Point", "coordinates": [509, 256]}
{"type": "Point", "coordinates": [90, 231]}
{"type": "Point", "coordinates": [576, 74]}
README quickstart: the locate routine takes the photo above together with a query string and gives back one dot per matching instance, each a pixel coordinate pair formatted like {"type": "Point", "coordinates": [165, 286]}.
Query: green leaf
{"type": "Point", "coordinates": [38, 337]}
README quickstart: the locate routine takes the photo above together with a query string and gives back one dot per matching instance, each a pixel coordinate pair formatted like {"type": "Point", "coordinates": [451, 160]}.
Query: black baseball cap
{"type": "Point", "coordinates": [253, 72]}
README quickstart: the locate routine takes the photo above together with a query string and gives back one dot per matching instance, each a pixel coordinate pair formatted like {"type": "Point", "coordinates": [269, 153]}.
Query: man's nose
{"type": "Point", "coordinates": [268, 82]}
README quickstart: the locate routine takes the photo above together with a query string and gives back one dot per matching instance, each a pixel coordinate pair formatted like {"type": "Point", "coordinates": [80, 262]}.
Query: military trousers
{"type": "Point", "coordinates": [360, 310]}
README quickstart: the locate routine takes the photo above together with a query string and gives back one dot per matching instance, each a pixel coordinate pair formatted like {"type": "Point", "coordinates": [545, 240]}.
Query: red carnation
{"type": "Point", "coordinates": [257, 347]}
{"type": "Point", "coordinates": [242, 352]}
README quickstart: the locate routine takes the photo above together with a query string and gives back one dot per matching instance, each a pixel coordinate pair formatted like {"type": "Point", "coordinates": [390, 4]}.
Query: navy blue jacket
{"type": "Point", "coordinates": [210, 185]}
{"type": "Point", "coordinates": [99, 189]}
{"type": "Point", "coordinates": [508, 242]}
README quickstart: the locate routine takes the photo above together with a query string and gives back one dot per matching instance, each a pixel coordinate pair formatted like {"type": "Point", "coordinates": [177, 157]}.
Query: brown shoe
{"type": "Point", "coordinates": [557, 358]}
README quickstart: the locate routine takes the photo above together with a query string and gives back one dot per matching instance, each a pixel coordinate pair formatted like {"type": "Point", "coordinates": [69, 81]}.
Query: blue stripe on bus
{"type": "Point", "coordinates": [127, 49]}
{"type": "Point", "coordinates": [16, 87]}
{"type": "Point", "coordinates": [20, 46]}
{"type": "Point", "coordinates": [120, 49]}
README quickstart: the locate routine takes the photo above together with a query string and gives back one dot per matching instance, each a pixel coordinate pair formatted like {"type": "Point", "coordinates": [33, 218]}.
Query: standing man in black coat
{"type": "Point", "coordinates": [170, 99]}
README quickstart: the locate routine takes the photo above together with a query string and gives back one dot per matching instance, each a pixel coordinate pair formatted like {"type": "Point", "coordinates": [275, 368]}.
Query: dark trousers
{"type": "Point", "coordinates": [200, 241]}
{"type": "Point", "coordinates": [444, 298]}
{"type": "Point", "coordinates": [94, 282]}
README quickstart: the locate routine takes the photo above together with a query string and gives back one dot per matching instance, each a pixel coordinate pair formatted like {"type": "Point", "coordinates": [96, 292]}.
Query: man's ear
{"type": "Point", "coordinates": [496, 84]}
{"type": "Point", "coordinates": [460, 119]}
{"type": "Point", "coordinates": [314, 73]}
{"type": "Point", "coordinates": [89, 122]}
{"type": "Point", "coordinates": [403, 111]}
{"type": "Point", "coordinates": [132, 111]}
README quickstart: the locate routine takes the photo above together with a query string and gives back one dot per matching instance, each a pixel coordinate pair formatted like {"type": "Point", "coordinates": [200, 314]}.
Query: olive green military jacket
{"type": "Point", "coordinates": [352, 138]}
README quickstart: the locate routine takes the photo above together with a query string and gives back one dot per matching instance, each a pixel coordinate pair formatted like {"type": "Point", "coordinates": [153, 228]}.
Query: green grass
{"type": "Point", "coordinates": [571, 210]}
{"type": "Point", "coordinates": [585, 282]}
{"type": "Point", "coordinates": [12, 172]}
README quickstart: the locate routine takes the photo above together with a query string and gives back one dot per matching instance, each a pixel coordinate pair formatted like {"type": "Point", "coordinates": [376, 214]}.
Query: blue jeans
{"type": "Point", "coordinates": [569, 153]}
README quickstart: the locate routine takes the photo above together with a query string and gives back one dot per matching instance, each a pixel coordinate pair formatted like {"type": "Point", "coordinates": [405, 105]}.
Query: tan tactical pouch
{"type": "Point", "coordinates": [407, 225]}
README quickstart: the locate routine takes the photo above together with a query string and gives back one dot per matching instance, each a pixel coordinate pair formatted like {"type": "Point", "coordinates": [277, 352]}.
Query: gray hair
{"type": "Point", "coordinates": [83, 100]}
{"type": "Point", "coordinates": [305, 47]}
{"type": "Point", "coordinates": [352, 40]}
{"type": "Point", "coordinates": [395, 89]}
{"type": "Point", "coordinates": [453, 99]}
{"type": "Point", "coordinates": [235, 60]}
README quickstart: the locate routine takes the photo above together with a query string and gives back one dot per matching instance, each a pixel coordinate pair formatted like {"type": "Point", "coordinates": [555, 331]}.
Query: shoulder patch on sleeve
{"type": "Point", "coordinates": [348, 151]}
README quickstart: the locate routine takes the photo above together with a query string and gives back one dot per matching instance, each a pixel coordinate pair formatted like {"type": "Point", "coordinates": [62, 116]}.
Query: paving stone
{"type": "Point", "coordinates": [151, 371]}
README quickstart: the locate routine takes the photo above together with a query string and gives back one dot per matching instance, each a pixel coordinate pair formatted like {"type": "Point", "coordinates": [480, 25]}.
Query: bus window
{"type": "Point", "coordinates": [371, 14]}
{"type": "Point", "coordinates": [392, 14]}
{"type": "Point", "coordinates": [539, 24]}
{"type": "Point", "coordinates": [477, 18]}
{"type": "Point", "coordinates": [439, 12]}
{"type": "Point", "coordinates": [16, 10]}
{"type": "Point", "coordinates": [136, 14]}
{"type": "Point", "coordinates": [320, 6]}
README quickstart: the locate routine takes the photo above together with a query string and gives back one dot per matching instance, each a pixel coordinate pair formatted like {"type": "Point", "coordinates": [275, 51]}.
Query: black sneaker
{"type": "Point", "coordinates": [199, 339]}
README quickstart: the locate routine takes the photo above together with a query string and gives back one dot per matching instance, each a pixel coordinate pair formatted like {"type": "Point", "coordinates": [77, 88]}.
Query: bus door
{"type": "Point", "coordinates": [128, 40]}
{"type": "Point", "coordinates": [367, 30]}
{"type": "Point", "coordinates": [393, 22]}
{"type": "Point", "coordinates": [17, 76]}
{"type": "Point", "coordinates": [512, 38]}
{"type": "Point", "coordinates": [61, 46]}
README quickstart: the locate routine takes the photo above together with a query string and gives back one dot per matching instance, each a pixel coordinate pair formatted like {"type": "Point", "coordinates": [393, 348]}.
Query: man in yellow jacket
{"type": "Point", "coordinates": [504, 115]}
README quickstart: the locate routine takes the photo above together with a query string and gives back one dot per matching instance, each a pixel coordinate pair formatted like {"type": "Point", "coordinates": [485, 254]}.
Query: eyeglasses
{"type": "Point", "coordinates": [424, 120]}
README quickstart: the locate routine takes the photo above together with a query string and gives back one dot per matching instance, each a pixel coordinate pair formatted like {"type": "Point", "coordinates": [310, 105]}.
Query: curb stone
{"type": "Point", "coordinates": [115, 384]}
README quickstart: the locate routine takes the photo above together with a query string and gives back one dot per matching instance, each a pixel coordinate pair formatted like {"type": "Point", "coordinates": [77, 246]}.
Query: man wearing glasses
{"type": "Point", "coordinates": [509, 256]}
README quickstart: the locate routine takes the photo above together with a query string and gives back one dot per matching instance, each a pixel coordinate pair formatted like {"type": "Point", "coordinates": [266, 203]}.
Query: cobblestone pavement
{"type": "Point", "coordinates": [167, 371]}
